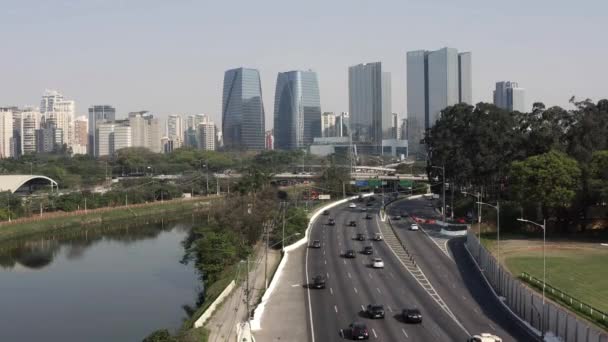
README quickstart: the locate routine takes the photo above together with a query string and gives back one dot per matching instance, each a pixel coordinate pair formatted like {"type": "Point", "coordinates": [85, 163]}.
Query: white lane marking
{"type": "Point", "coordinates": [370, 275]}
{"type": "Point", "coordinates": [355, 290]}
{"type": "Point", "coordinates": [344, 262]}
{"type": "Point", "coordinates": [389, 308]}
{"type": "Point", "coordinates": [296, 285]}
{"type": "Point", "coordinates": [392, 275]}
{"type": "Point", "coordinates": [374, 331]}
{"type": "Point", "coordinates": [362, 307]}
{"type": "Point", "coordinates": [348, 274]}
{"type": "Point", "coordinates": [336, 308]}
{"type": "Point", "coordinates": [325, 262]}
{"type": "Point", "coordinates": [378, 290]}
{"type": "Point", "coordinates": [327, 275]}
{"type": "Point", "coordinates": [476, 311]}
{"type": "Point", "coordinates": [404, 333]}
{"type": "Point", "coordinates": [323, 252]}
{"type": "Point", "coordinates": [491, 326]}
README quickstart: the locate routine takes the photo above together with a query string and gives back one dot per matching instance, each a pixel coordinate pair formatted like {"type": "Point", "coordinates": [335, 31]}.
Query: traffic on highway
{"type": "Point", "coordinates": [369, 292]}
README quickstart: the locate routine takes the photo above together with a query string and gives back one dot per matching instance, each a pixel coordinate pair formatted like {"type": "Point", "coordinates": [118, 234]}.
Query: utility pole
{"type": "Point", "coordinates": [126, 201]}
{"type": "Point", "coordinates": [283, 243]}
{"type": "Point", "coordinates": [443, 187]}
{"type": "Point", "coordinates": [266, 231]}
{"type": "Point", "coordinates": [85, 205]}
{"type": "Point", "coordinates": [247, 297]}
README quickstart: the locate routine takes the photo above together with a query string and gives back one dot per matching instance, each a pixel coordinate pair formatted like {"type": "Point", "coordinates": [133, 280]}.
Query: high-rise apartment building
{"type": "Point", "coordinates": [81, 135]}
{"type": "Point", "coordinates": [6, 132]}
{"type": "Point", "coordinates": [435, 80]}
{"type": "Point", "coordinates": [369, 98]}
{"type": "Point", "coordinates": [396, 133]}
{"type": "Point", "coordinates": [206, 133]}
{"type": "Point", "coordinates": [243, 110]}
{"type": "Point", "coordinates": [175, 130]}
{"type": "Point", "coordinates": [60, 112]}
{"type": "Point", "coordinates": [270, 140]}
{"type": "Point", "coordinates": [104, 139]}
{"type": "Point", "coordinates": [297, 110]}
{"type": "Point", "coordinates": [121, 136]}
{"type": "Point", "coordinates": [145, 131]}
{"type": "Point", "coordinates": [98, 114]}
{"type": "Point", "coordinates": [17, 143]}
{"type": "Point", "coordinates": [30, 118]}
{"type": "Point", "coordinates": [509, 96]}
{"type": "Point", "coordinates": [328, 125]}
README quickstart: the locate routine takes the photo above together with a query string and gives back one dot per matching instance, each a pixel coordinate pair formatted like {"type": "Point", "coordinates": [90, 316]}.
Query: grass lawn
{"type": "Point", "coordinates": [577, 268]}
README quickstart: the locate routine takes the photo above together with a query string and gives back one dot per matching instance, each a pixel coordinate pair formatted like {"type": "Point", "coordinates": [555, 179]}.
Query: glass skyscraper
{"type": "Point", "coordinates": [243, 110]}
{"type": "Point", "coordinates": [369, 99]}
{"type": "Point", "coordinates": [297, 110]}
{"type": "Point", "coordinates": [435, 80]}
{"type": "Point", "coordinates": [509, 96]}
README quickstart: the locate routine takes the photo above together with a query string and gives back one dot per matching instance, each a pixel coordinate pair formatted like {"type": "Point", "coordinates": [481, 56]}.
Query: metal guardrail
{"type": "Point", "coordinates": [576, 304]}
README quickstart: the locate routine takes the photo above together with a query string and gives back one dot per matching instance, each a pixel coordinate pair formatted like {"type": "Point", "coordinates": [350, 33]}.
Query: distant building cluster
{"type": "Point", "coordinates": [435, 80]}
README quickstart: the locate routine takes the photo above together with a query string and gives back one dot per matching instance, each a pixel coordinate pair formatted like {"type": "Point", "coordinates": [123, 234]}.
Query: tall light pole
{"type": "Point", "coordinates": [442, 168]}
{"type": "Point", "coordinates": [544, 228]}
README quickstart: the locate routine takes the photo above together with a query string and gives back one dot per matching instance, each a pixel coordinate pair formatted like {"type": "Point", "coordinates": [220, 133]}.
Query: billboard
{"type": "Point", "coordinates": [361, 183]}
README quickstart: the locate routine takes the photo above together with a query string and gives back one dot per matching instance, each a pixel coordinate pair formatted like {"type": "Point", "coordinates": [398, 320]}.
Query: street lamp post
{"type": "Point", "coordinates": [497, 207]}
{"type": "Point", "coordinates": [442, 168]}
{"type": "Point", "coordinates": [544, 228]}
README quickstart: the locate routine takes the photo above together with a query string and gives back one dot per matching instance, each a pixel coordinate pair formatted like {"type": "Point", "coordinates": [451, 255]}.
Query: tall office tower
{"type": "Point", "coordinates": [342, 125]}
{"type": "Point", "coordinates": [369, 98]}
{"type": "Point", "coordinates": [509, 96]}
{"type": "Point", "coordinates": [243, 110]}
{"type": "Point", "coordinates": [206, 133]}
{"type": "Point", "coordinates": [154, 134]}
{"type": "Point", "coordinates": [403, 129]}
{"type": "Point", "coordinates": [98, 114]}
{"type": "Point", "coordinates": [328, 125]}
{"type": "Point", "coordinates": [6, 132]}
{"type": "Point", "coordinates": [269, 140]}
{"type": "Point", "coordinates": [297, 110]}
{"type": "Point", "coordinates": [60, 112]}
{"type": "Point", "coordinates": [435, 80]}
{"type": "Point", "coordinates": [81, 135]}
{"type": "Point", "coordinates": [30, 118]}
{"type": "Point", "coordinates": [395, 127]}
{"type": "Point", "coordinates": [194, 120]}
{"type": "Point", "coordinates": [175, 131]}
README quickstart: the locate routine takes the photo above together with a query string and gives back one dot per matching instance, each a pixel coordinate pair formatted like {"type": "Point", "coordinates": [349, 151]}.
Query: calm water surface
{"type": "Point", "coordinates": [117, 285]}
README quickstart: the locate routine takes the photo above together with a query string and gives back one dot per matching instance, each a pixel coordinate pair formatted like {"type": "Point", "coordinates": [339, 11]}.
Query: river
{"type": "Point", "coordinates": [103, 284]}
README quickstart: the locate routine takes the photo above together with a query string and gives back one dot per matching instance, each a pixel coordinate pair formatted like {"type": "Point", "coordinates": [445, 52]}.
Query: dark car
{"type": "Point", "coordinates": [326, 212]}
{"type": "Point", "coordinates": [396, 218]}
{"type": "Point", "coordinates": [316, 244]}
{"type": "Point", "coordinates": [352, 223]}
{"type": "Point", "coordinates": [350, 254]}
{"type": "Point", "coordinates": [412, 316]}
{"type": "Point", "coordinates": [375, 311]}
{"type": "Point", "coordinates": [405, 215]}
{"type": "Point", "coordinates": [368, 250]}
{"type": "Point", "coordinates": [360, 237]}
{"type": "Point", "coordinates": [369, 204]}
{"type": "Point", "coordinates": [358, 331]}
{"type": "Point", "coordinates": [372, 198]}
{"type": "Point", "coordinates": [331, 222]}
{"type": "Point", "coordinates": [368, 217]}
{"type": "Point", "coordinates": [318, 282]}
{"type": "Point", "coordinates": [360, 198]}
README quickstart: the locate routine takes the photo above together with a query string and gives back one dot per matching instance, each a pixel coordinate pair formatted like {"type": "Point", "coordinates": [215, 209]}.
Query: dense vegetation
{"type": "Point", "coordinates": [549, 163]}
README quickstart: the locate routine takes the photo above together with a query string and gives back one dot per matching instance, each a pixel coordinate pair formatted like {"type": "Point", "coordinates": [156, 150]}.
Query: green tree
{"type": "Point", "coordinates": [161, 335]}
{"type": "Point", "coordinates": [598, 176]}
{"type": "Point", "coordinates": [550, 180]}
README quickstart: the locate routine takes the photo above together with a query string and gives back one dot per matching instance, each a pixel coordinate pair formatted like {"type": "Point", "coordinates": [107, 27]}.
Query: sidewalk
{"type": "Point", "coordinates": [284, 317]}
{"type": "Point", "coordinates": [222, 325]}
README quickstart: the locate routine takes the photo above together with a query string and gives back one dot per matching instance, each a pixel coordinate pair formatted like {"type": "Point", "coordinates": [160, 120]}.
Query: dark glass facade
{"type": "Point", "coordinates": [243, 110]}
{"type": "Point", "coordinates": [297, 110]}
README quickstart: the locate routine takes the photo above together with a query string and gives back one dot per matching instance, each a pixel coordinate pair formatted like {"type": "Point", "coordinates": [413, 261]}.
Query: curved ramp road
{"type": "Point", "coordinates": [352, 284]}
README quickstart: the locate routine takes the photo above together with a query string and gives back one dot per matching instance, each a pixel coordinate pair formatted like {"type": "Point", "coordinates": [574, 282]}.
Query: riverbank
{"type": "Point", "coordinates": [65, 222]}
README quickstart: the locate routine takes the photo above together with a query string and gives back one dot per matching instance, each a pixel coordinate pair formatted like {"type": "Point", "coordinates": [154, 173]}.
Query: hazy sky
{"type": "Point", "coordinates": [170, 56]}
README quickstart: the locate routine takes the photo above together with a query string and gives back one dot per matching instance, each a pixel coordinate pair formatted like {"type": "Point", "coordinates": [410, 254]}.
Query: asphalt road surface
{"type": "Point", "coordinates": [352, 284]}
{"type": "Point", "coordinates": [454, 277]}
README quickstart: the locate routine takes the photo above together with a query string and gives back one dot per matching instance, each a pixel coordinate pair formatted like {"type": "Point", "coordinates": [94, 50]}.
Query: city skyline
{"type": "Point", "coordinates": [189, 81]}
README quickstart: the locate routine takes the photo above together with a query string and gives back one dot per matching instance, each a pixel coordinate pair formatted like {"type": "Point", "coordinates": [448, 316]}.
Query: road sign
{"type": "Point", "coordinates": [375, 182]}
{"type": "Point", "coordinates": [405, 183]}
{"type": "Point", "coordinates": [324, 197]}
{"type": "Point", "coordinates": [361, 183]}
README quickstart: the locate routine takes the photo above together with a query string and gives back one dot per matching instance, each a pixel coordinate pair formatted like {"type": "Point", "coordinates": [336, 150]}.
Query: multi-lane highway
{"type": "Point", "coordinates": [352, 284]}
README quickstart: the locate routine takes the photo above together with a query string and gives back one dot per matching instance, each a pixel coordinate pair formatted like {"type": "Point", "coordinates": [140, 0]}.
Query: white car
{"type": "Point", "coordinates": [414, 227]}
{"type": "Point", "coordinates": [378, 237]}
{"type": "Point", "coordinates": [352, 205]}
{"type": "Point", "coordinates": [377, 263]}
{"type": "Point", "coordinates": [484, 337]}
